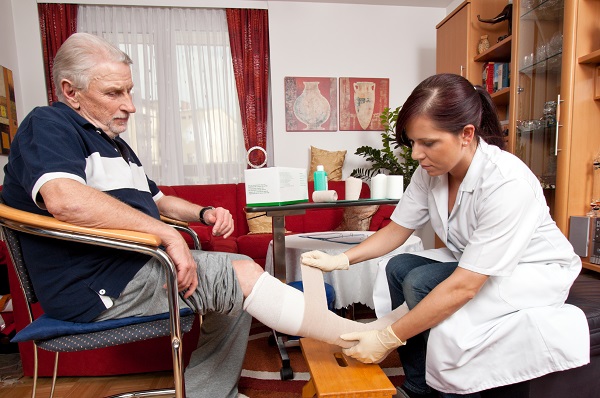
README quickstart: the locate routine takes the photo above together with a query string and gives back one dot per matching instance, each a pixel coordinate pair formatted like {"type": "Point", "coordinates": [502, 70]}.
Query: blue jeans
{"type": "Point", "coordinates": [411, 278]}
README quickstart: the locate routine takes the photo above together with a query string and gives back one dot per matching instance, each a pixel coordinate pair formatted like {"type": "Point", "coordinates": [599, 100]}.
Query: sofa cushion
{"type": "Point", "coordinates": [332, 162]}
{"type": "Point", "coordinates": [255, 246]}
{"type": "Point", "coordinates": [218, 244]}
{"type": "Point", "coordinates": [357, 218]}
{"type": "Point", "coordinates": [217, 195]}
{"type": "Point", "coordinates": [259, 223]}
{"type": "Point", "coordinates": [381, 218]}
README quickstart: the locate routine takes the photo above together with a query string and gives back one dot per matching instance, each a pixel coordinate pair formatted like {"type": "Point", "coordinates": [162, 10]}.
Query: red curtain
{"type": "Point", "coordinates": [57, 22]}
{"type": "Point", "coordinates": [249, 40]}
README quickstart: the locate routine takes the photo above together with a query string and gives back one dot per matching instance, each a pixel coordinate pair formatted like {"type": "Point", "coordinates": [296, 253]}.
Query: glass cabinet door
{"type": "Point", "coordinates": [538, 65]}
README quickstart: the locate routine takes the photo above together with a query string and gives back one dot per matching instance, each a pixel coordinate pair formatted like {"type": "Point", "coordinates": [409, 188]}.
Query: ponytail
{"type": "Point", "coordinates": [490, 129]}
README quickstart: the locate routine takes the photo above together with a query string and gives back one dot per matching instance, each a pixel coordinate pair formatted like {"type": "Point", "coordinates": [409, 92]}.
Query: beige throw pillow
{"type": "Point", "coordinates": [259, 223]}
{"type": "Point", "coordinates": [332, 162]}
{"type": "Point", "coordinates": [357, 218]}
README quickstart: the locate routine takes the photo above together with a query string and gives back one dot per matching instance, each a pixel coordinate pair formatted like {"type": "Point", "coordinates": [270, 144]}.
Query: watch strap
{"type": "Point", "coordinates": [204, 210]}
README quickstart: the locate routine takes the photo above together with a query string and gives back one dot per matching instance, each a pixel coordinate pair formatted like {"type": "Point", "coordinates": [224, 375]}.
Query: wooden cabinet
{"type": "Point", "coordinates": [579, 138]}
{"type": "Point", "coordinates": [568, 71]}
{"type": "Point", "coordinates": [458, 36]}
{"type": "Point", "coordinates": [452, 53]}
{"type": "Point", "coordinates": [539, 74]}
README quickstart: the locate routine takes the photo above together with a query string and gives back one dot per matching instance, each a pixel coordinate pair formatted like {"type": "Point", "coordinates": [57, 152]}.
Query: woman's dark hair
{"type": "Point", "coordinates": [451, 102]}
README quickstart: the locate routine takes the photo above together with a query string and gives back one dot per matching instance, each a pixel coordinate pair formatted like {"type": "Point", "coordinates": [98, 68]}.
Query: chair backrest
{"type": "Point", "coordinates": [11, 239]}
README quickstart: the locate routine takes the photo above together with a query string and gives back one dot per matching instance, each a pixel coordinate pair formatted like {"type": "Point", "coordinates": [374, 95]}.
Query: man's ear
{"type": "Point", "coordinates": [70, 93]}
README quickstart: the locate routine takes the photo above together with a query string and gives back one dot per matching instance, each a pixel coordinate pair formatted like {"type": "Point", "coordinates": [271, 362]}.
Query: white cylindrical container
{"type": "Point", "coordinates": [379, 186]}
{"type": "Point", "coordinates": [395, 187]}
{"type": "Point", "coordinates": [353, 188]}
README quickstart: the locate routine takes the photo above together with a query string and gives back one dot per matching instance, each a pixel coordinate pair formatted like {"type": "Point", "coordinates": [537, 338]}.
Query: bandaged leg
{"type": "Point", "coordinates": [288, 310]}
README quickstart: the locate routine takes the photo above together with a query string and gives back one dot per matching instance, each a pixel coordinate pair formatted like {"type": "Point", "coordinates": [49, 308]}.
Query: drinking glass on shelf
{"type": "Point", "coordinates": [555, 44]}
{"type": "Point", "coordinates": [541, 52]}
{"type": "Point", "coordinates": [527, 60]}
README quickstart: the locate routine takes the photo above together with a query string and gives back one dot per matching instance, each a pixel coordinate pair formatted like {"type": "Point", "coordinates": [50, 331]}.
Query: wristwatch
{"type": "Point", "coordinates": [204, 210]}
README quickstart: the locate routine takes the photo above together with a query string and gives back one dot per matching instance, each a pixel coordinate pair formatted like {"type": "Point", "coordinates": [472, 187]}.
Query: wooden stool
{"type": "Point", "coordinates": [335, 375]}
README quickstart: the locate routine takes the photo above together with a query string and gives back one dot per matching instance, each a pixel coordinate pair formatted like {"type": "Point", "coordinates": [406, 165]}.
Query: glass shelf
{"type": "Point", "coordinates": [548, 10]}
{"type": "Point", "coordinates": [539, 49]}
{"type": "Point", "coordinates": [551, 64]}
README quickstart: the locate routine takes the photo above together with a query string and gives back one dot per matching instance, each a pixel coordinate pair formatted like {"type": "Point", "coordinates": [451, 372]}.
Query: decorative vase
{"type": "Point", "coordinates": [364, 102]}
{"type": "Point", "coordinates": [483, 45]}
{"type": "Point", "coordinates": [311, 108]}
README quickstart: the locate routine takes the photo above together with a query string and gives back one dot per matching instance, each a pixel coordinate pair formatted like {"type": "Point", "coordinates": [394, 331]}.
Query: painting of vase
{"type": "Point", "coordinates": [362, 100]}
{"type": "Point", "coordinates": [311, 104]}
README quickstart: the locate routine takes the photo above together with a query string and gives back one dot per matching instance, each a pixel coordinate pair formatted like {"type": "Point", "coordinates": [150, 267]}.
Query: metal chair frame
{"type": "Point", "coordinates": [17, 220]}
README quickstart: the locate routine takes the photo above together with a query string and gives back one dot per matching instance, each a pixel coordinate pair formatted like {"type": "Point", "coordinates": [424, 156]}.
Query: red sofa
{"type": "Point", "coordinates": [154, 355]}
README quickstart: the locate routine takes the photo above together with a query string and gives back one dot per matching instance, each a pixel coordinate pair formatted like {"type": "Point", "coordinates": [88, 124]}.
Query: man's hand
{"type": "Point", "coordinates": [221, 220]}
{"type": "Point", "coordinates": [187, 274]}
{"type": "Point", "coordinates": [324, 261]}
{"type": "Point", "coordinates": [373, 345]}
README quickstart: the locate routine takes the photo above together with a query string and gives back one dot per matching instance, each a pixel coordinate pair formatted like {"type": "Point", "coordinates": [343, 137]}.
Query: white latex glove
{"type": "Point", "coordinates": [373, 345]}
{"type": "Point", "coordinates": [324, 261]}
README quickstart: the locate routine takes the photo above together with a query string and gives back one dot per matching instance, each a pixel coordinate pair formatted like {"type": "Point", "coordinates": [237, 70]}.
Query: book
{"type": "Point", "coordinates": [488, 77]}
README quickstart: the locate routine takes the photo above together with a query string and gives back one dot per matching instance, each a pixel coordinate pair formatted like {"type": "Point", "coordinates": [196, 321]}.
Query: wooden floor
{"type": "Point", "coordinates": [87, 387]}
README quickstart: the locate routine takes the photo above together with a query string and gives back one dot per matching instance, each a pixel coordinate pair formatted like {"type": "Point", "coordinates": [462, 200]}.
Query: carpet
{"type": "Point", "coordinates": [260, 374]}
{"type": "Point", "coordinates": [10, 369]}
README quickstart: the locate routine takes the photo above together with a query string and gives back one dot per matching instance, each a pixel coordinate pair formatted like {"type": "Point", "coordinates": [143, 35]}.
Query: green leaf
{"type": "Point", "coordinates": [393, 158]}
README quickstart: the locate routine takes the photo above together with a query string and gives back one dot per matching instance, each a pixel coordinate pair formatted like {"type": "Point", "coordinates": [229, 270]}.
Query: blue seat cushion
{"type": "Point", "coordinates": [329, 292]}
{"type": "Point", "coordinates": [45, 327]}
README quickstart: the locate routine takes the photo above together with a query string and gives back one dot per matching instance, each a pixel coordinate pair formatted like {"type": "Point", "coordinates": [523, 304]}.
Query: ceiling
{"type": "Point", "coordinates": [406, 3]}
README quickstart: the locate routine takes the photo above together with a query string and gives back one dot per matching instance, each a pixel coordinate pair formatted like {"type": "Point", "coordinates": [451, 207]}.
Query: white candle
{"type": "Point", "coordinates": [379, 186]}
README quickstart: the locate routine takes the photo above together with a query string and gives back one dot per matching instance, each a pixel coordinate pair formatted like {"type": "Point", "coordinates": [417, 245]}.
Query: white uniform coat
{"type": "Point", "coordinates": [517, 327]}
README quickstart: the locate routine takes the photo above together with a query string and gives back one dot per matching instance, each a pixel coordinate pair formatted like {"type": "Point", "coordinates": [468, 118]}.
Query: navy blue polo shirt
{"type": "Point", "coordinates": [56, 142]}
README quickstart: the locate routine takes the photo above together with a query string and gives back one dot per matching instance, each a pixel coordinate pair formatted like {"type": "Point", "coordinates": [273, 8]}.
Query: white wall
{"type": "Point", "coordinates": [341, 40]}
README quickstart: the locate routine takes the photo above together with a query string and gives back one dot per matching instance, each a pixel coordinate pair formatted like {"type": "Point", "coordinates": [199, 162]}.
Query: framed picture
{"type": "Point", "coordinates": [8, 110]}
{"type": "Point", "coordinates": [361, 102]}
{"type": "Point", "coordinates": [311, 104]}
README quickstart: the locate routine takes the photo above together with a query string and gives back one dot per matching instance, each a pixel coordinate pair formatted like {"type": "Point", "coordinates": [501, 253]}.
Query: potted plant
{"type": "Point", "coordinates": [385, 159]}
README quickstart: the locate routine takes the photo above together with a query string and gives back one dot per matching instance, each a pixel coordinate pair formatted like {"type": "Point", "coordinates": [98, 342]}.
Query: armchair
{"type": "Point", "coordinates": [59, 336]}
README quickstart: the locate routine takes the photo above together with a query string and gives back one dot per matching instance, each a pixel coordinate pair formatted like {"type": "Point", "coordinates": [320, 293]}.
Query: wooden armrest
{"type": "Point", "coordinates": [50, 223]}
{"type": "Point", "coordinates": [173, 221]}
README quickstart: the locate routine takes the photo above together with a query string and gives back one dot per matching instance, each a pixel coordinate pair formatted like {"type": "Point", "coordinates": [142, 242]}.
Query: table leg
{"type": "Point", "coordinates": [279, 267]}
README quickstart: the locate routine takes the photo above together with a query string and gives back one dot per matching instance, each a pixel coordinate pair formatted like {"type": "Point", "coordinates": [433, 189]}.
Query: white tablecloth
{"type": "Point", "coordinates": [356, 285]}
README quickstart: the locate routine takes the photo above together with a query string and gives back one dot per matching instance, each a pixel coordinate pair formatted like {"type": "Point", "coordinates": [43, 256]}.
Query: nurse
{"type": "Point", "coordinates": [487, 312]}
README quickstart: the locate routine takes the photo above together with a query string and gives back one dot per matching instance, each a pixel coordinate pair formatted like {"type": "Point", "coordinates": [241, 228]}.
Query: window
{"type": "Point", "coordinates": [187, 128]}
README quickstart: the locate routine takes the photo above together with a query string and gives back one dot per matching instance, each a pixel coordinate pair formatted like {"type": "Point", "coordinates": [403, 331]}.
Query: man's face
{"type": "Point", "coordinates": [107, 103]}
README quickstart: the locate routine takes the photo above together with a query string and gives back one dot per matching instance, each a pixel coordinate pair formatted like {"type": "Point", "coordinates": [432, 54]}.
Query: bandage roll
{"type": "Point", "coordinates": [324, 196]}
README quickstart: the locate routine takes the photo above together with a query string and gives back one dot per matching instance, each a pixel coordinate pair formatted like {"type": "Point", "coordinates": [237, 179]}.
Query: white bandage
{"type": "Point", "coordinates": [276, 305]}
{"type": "Point", "coordinates": [287, 310]}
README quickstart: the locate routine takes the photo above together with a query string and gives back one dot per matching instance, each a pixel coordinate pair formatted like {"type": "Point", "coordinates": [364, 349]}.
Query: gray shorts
{"type": "Point", "coordinates": [218, 289]}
